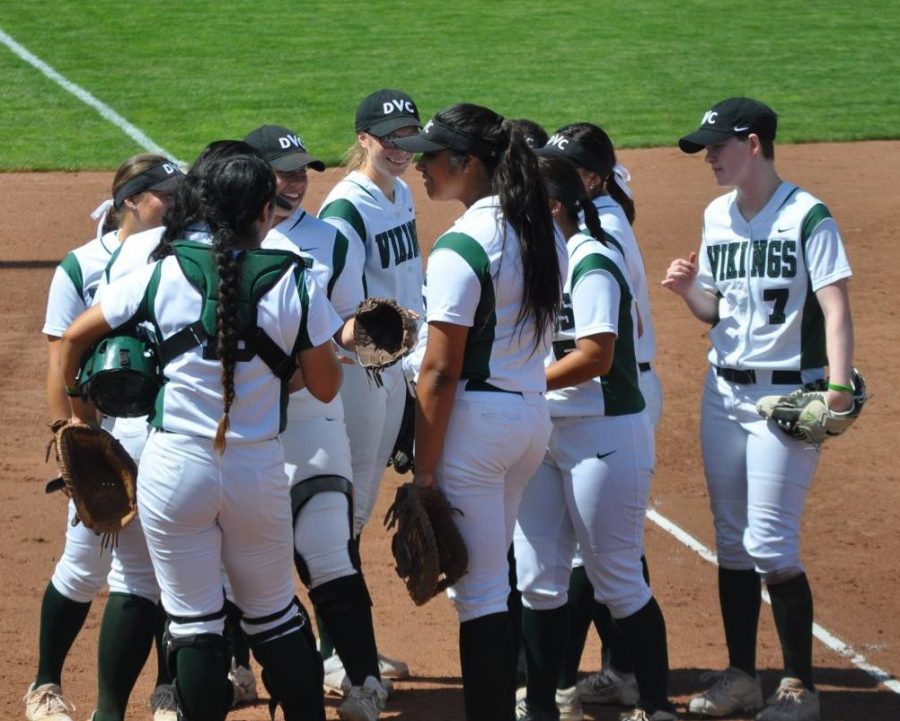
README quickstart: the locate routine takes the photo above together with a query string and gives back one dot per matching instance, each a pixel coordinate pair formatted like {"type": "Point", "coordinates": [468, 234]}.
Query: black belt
{"type": "Point", "coordinates": [644, 367]}
{"type": "Point", "coordinates": [745, 377]}
{"type": "Point", "coordinates": [476, 385]}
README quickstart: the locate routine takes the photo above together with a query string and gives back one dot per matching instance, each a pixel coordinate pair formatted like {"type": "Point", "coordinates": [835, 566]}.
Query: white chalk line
{"type": "Point", "coordinates": [825, 636]}
{"type": "Point", "coordinates": [84, 96]}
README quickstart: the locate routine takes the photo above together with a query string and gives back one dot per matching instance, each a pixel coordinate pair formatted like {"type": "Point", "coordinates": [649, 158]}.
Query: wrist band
{"type": "Point", "coordinates": [73, 391]}
{"type": "Point", "coordinates": [838, 387]}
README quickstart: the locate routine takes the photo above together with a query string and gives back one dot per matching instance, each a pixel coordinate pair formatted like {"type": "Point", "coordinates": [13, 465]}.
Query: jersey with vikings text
{"type": "Point", "coordinates": [766, 272]}
{"type": "Point", "coordinates": [385, 230]}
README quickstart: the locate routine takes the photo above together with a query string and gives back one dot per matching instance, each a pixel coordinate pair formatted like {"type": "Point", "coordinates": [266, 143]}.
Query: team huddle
{"type": "Point", "coordinates": [532, 392]}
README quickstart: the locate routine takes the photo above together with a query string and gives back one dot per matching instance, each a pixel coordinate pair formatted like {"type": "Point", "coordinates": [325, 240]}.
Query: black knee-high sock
{"type": "Point", "coordinates": [61, 620]}
{"type": "Point", "coordinates": [620, 657]}
{"type": "Point", "coordinates": [645, 633]}
{"type": "Point", "coordinates": [126, 635]}
{"type": "Point", "coordinates": [514, 602]}
{"type": "Point", "coordinates": [488, 668]}
{"type": "Point", "coordinates": [603, 623]}
{"type": "Point", "coordinates": [792, 607]}
{"type": "Point", "coordinates": [326, 644]}
{"type": "Point", "coordinates": [344, 609]}
{"type": "Point", "coordinates": [544, 635]}
{"type": "Point", "coordinates": [162, 667]}
{"type": "Point", "coordinates": [201, 679]}
{"type": "Point", "coordinates": [581, 606]}
{"type": "Point", "coordinates": [739, 600]}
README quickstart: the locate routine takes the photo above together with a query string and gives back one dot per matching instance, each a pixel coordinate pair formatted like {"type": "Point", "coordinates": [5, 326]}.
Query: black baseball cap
{"type": "Point", "coordinates": [162, 177]}
{"type": "Point", "coordinates": [385, 111]}
{"type": "Point", "coordinates": [436, 136]}
{"type": "Point", "coordinates": [284, 150]}
{"type": "Point", "coordinates": [734, 116]}
{"type": "Point", "coordinates": [563, 146]}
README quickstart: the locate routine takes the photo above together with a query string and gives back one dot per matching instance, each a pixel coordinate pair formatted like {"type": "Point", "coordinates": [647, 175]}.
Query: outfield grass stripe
{"type": "Point", "coordinates": [84, 96]}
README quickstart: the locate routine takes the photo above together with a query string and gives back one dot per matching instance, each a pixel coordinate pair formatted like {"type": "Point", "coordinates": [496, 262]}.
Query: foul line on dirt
{"type": "Point", "coordinates": [825, 636]}
{"type": "Point", "coordinates": [84, 96]}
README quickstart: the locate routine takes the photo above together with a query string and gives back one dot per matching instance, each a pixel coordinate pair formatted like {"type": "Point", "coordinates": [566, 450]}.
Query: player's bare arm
{"type": "Point", "coordinates": [835, 302]}
{"type": "Point", "coordinates": [591, 358]}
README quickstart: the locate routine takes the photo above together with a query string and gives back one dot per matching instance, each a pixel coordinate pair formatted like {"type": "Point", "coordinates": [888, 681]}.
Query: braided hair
{"type": "Point", "coordinates": [564, 184]}
{"type": "Point", "coordinates": [233, 193]}
{"type": "Point", "coordinates": [598, 143]}
{"type": "Point", "coordinates": [512, 170]}
{"type": "Point", "coordinates": [185, 204]}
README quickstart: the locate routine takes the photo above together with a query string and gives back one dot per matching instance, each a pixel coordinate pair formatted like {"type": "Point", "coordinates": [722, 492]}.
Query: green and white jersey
{"type": "Point", "coordinates": [766, 272]}
{"type": "Point", "coordinates": [597, 298]}
{"type": "Point", "coordinates": [337, 264]}
{"type": "Point", "coordinates": [475, 280]}
{"type": "Point", "coordinates": [616, 224]}
{"type": "Point", "coordinates": [75, 282]}
{"type": "Point", "coordinates": [293, 312]}
{"type": "Point", "coordinates": [337, 267]}
{"type": "Point", "coordinates": [384, 231]}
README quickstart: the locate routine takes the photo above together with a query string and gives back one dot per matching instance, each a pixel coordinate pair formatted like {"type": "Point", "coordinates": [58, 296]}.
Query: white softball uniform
{"type": "Point", "coordinates": [594, 483]}
{"type": "Point", "coordinates": [499, 425]}
{"type": "Point", "coordinates": [315, 438]}
{"type": "Point", "coordinates": [201, 510]}
{"type": "Point", "coordinates": [614, 222]}
{"type": "Point", "coordinates": [81, 570]}
{"type": "Point", "coordinates": [383, 233]}
{"type": "Point", "coordinates": [769, 339]}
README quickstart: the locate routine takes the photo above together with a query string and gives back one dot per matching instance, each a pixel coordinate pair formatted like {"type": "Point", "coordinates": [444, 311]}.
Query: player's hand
{"type": "Point", "coordinates": [423, 479]}
{"type": "Point", "coordinates": [839, 401]}
{"type": "Point", "coordinates": [681, 274]}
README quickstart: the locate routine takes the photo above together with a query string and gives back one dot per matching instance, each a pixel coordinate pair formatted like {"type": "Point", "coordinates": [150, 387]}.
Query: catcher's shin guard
{"type": "Point", "coordinates": [199, 666]}
{"type": "Point", "coordinates": [291, 668]}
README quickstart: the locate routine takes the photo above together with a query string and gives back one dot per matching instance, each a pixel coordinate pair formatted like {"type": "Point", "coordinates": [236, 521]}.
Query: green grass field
{"type": "Point", "coordinates": [192, 71]}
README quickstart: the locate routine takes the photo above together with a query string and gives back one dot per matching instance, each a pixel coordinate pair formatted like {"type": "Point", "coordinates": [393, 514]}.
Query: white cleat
{"type": "Point", "coordinates": [364, 703]}
{"type": "Point", "coordinates": [46, 703]}
{"type": "Point", "coordinates": [243, 681]}
{"type": "Point", "coordinates": [791, 702]}
{"type": "Point", "coordinates": [162, 703]}
{"type": "Point", "coordinates": [569, 704]}
{"type": "Point", "coordinates": [608, 686]}
{"type": "Point", "coordinates": [734, 691]}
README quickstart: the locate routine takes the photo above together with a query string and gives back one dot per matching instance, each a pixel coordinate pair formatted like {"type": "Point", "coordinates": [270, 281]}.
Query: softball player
{"type": "Point", "coordinates": [590, 148]}
{"type": "Point", "coordinates": [316, 447]}
{"type": "Point", "coordinates": [771, 280]}
{"type": "Point", "coordinates": [492, 294]}
{"type": "Point", "coordinates": [594, 483]}
{"type": "Point", "coordinates": [140, 189]}
{"type": "Point", "coordinates": [211, 485]}
{"type": "Point", "coordinates": [373, 208]}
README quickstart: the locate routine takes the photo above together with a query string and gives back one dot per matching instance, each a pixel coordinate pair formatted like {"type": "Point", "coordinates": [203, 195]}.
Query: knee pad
{"type": "Point", "coordinates": [300, 495]}
{"type": "Point", "coordinates": [341, 595]}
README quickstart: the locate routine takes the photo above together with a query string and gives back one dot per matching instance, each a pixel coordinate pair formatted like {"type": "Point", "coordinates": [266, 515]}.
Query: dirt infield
{"type": "Point", "coordinates": [849, 548]}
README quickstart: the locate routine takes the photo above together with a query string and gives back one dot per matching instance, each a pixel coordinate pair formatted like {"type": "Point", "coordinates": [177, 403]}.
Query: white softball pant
{"type": "Point", "coordinates": [593, 489]}
{"type": "Point", "coordinates": [373, 416]}
{"type": "Point", "coordinates": [651, 389]}
{"type": "Point", "coordinates": [81, 571]}
{"type": "Point", "coordinates": [758, 479]}
{"type": "Point", "coordinates": [493, 445]}
{"type": "Point", "coordinates": [319, 447]}
{"type": "Point", "coordinates": [202, 511]}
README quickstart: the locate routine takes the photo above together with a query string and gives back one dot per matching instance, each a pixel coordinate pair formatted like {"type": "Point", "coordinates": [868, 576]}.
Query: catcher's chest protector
{"type": "Point", "coordinates": [260, 270]}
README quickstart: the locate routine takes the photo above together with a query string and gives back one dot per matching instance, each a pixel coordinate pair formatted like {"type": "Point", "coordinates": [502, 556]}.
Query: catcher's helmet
{"type": "Point", "coordinates": [121, 374]}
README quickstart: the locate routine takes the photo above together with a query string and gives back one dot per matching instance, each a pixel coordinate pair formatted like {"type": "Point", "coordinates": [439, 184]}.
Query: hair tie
{"type": "Point", "coordinates": [99, 214]}
{"type": "Point", "coordinates": [622, 176]}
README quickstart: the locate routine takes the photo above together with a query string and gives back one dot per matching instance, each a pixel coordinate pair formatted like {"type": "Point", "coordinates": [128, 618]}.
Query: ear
{"type": "Point", "coordinates": [555, 206]}
{"type": "Point", "coordinates": [130, 204]}
{"type": "Point", "coordinates": [753, 142]}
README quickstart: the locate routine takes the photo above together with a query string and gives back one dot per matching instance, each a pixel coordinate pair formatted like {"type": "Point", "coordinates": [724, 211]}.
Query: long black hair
{"type": "Point", "coordinates": [564, 184]}
{"type": "Point", "coordinates": [598, 144]}
{"type": "Point", "coordinates": [233, 192]}
{"type": "Point", "coordinates": [184, 207]}
{"type": "Point", "coordinates": [513, 174]}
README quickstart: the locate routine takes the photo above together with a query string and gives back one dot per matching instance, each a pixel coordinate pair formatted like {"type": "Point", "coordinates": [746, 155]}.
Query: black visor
{"type": "Point", "coordinates": [161, 177]}
{"type": "Point", "coordinates": [436, 136]}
